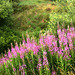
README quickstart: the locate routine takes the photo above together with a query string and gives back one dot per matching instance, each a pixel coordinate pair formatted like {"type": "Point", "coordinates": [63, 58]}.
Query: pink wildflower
{"type": "Point", "coordinates": [14, 69]}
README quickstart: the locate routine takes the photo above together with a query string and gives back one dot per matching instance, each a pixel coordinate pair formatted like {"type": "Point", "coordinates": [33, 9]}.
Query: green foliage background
{"type": "Point", "coordinates": [63, 14]}
{"type": "Point", "coordinates": [7, 32]}
{"type": "Point", "coordinates": [5, 8]}
{"type": "Point", "coordinates": [21, 16]}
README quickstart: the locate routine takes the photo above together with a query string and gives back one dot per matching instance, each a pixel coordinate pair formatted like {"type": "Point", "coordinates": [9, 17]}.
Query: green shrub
{"type": "Point", "coordinates": [6, 11]}
{"type": "Point", "coordinates": [5, 8]}
{"type": "Point", "coordinates": [63, 13]}
{"type": "Point", "coordinates": [68, 7]}
{"type": "Point", "coordinates": [61, 17]}
{"type": "Point", "coordinates": [7, 36]}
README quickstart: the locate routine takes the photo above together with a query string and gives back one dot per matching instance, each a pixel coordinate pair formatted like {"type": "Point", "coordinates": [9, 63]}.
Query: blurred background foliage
{"type": "Point", "coordinates": [64, 13]}
{"type": "Point", "coordinates": [5, 8]}
{"type": "Point", "coordinates": [32, 16]}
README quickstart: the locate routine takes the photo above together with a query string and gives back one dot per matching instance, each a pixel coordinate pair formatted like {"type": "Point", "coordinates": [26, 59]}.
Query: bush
{"type": "Point", "coordinates": [6, 11]}
{"type": "Point", "coordinates": [63, 13]}
{"type": "Point", "coordinates": [7, 36]}
{"type": "Point", "coordinates": [55, 17]}
{"type": "Point", "coordinates": [5, 8]}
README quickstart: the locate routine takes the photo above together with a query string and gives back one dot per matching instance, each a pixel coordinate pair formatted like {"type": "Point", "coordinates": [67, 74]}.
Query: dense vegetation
{"type": "Point", "coordinates": [18, 18]}
{"type": "Point", "coordinates": [7, 32]}
{"type": "Point", "coordinates": [48, 56]}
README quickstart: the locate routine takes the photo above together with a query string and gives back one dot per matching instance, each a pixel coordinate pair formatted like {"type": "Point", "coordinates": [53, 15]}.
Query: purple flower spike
{"type": "Point", "coordinates": [44, 53]}
{"type": "Point", "coordinates": [41, 41]}
{"type": "Point", "coordinates": [53, 73]}
{"type": "Point", "coordinates": [16, 47]}
{"type": "Point", "coordinates": [20, 68]}
{"type": "Point", "coordinates": [9, 54]}
{"type": "Point", "coordinates": [65, 56]}
{"type": "Point", "coordinates": [24, 65]}
{"type": "Point", "coordinates": [45, 61]}
{"type": "Point", "coordinates": [66, 48]}
{"type": "Point", "coordinates": [13, 51]}
{"type": "Point", "coordinates": [14, 69]}
{"type": "Point", "coordinates": [23, 73]}
{"type": "Point", "coordinates": [39, 63]}
{"type": "Point", "coordinates": [69, 55]}
{"type": "Point", "coordinates": [28, 40]}
{"type": "Point", "coordinates": [21, 55]}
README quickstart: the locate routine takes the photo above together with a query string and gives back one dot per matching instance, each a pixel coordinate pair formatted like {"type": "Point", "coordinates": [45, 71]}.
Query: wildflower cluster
{"type": "Point", "coordinates": [43, 58]}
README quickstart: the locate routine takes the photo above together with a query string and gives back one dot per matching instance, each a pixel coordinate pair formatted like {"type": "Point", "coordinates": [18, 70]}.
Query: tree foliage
{"type": "Point", "coordinates": [5, 8]}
